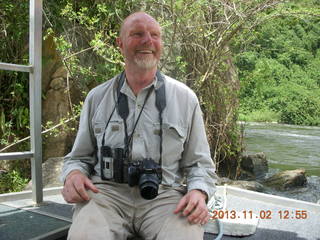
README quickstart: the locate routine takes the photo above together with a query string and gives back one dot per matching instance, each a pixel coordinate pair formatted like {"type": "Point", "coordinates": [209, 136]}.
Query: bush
{"type": "Point", "coordinates": [12, 182]}
{"type": "Point", "coordinates": [279, 71]}
{"type": "Point", "coordinates": [299, 106]}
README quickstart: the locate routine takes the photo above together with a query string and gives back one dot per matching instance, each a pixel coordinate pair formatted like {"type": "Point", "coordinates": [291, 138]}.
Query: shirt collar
{"type": "Point", "coordinates": [125, 89]}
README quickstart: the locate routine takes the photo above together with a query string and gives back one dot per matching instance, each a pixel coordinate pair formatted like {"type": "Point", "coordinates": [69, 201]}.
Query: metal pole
{"type": "Point", "coordinates": [16, 155]}
{"type": "Point", "coordinates": [15, 67]}
{"type": "Point", "coordinates": [35, 52]}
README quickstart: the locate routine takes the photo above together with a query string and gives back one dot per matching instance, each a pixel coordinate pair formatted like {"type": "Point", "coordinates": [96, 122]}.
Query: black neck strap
{"type": "Point", "coordinates": [123, 109]}
{"type": "Point", "coordinates": [160, 104]}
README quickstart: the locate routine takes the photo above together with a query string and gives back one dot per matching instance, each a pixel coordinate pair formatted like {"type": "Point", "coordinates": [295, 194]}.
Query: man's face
{"type": "Point", "coordinates": [140, 42]}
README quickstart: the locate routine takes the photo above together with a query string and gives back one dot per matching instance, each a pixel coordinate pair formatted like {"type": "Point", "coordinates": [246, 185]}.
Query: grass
{"type": "Point", "coordinates": [262, 115]}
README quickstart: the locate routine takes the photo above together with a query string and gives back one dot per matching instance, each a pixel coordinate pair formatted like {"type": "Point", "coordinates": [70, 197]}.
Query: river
{"type": "Point", "coordinates": [288, 147]}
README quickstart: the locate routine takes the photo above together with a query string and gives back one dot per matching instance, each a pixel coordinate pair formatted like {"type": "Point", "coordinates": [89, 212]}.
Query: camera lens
{"type": "Point", "coordinates": [148, 185]}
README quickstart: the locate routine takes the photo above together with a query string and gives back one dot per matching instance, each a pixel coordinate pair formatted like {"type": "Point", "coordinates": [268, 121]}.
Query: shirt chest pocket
{"type": "Point", "coordinates": [173, 139]}
{"type": "Point", "coordinates": [114, 135]}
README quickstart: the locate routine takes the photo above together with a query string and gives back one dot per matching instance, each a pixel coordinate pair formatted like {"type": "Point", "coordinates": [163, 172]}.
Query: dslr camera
{"type": "Point", "coordinates": [145, 173]}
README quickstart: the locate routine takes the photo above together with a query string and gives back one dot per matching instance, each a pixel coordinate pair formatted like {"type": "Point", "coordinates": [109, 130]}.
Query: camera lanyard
{"type": "Point", "coordinates": [123, 110]}
{"type": "Point", "coordinates": [124, 114]}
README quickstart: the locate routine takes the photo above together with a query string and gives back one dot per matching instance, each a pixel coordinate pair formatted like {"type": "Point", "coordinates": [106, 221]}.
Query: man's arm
{"type": "Point", "coordinates": [199, 170]}
{"type": "Point", "coordinates": [196, 161]}
{"type": "Point", "coordinates": [79, 162]}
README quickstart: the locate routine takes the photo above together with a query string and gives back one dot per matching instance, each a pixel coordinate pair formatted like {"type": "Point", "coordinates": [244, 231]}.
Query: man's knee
{"type": "Point", "coordinates": [179, 228]}
{"type": "Point", "coordinates": [91, 221]}
{"type": "Point", "coordinates": [88, 223]}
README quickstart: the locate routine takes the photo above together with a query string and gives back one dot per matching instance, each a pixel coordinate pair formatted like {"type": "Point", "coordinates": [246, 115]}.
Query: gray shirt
{"type": "Point", "coordinates": [185, 154]}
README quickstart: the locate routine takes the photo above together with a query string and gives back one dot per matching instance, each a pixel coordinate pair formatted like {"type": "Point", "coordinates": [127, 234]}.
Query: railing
{"type": "Point", "coordinates": [34, 70]}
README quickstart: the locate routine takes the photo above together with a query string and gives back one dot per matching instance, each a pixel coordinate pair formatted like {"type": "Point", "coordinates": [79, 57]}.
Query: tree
{"type": "Point", "coordinates": [197, 35]}
{"type": "Point", "coordinates": [277, 68]}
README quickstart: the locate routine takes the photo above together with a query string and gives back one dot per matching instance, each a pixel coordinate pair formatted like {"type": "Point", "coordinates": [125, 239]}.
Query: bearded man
{"type": "Point", "coordinates": [141, 137]}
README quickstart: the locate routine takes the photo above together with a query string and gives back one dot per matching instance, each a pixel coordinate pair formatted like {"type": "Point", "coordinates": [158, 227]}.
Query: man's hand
{"type": "Point", "coordinates": [193, 206]}
{"type": "Point", "coordinates": [75, 187]}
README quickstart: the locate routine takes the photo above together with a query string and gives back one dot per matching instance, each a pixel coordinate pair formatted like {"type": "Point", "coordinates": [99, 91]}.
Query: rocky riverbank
{"type": "Point", "coordinates": [254, 174]}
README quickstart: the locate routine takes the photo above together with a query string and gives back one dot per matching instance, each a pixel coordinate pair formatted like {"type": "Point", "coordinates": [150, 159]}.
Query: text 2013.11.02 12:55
{"type": "Point", "coordinates": [261, 214]}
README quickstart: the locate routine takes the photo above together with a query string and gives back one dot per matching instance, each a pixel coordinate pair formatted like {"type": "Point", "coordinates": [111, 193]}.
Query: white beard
{"type": "Point", "coordinates": [146, 62]}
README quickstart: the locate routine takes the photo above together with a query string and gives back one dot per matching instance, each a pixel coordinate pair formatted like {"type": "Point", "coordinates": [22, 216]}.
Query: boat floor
{"type": "Point", "coordinates": [21, 219]}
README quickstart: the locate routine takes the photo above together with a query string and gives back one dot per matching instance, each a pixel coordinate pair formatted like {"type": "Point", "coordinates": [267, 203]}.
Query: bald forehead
{"type": "Point", "coordinates": [137, 18]}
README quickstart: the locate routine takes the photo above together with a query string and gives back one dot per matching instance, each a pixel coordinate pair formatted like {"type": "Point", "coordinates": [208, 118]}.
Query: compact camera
{"type": "Point", "coordinates": [145, 173]}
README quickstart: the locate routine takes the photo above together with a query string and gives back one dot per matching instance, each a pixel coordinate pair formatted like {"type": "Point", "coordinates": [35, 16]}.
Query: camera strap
{"type": "Point", "coordinates": [160, 105]}
{"type": "Point", "coordinates": [123, 110]}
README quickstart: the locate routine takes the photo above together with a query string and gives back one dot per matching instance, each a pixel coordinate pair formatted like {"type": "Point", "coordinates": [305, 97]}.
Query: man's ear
{"type": "Point", "coordinates": [119, 42]}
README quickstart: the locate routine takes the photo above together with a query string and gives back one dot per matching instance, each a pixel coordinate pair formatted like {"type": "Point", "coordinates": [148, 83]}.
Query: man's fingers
{"type": "Point", "coordinates": [191, 205]}
{"type": "Point", "coordinates": [195, 213]}
{"type": "Point", "coordinates": [205, 220]}
{"type": "Point", "coordinates": [70, 195]}
{"type": "Point", "coordinates": [76, 185]}
{"type": "Point", "coordinates": [182, 203]}
{"type": "Point", "coordinates": [201, 216]}
{"type": "Point", "coordinates": [199, 213]}
{"type": "Point", "coordinates": [81, 191]}
{"type": "Point", "coordinates": [89, 185]}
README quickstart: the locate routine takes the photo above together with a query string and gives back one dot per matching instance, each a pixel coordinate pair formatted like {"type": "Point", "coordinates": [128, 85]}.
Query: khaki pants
{"type": "Point", "coordinates": [118, 212]}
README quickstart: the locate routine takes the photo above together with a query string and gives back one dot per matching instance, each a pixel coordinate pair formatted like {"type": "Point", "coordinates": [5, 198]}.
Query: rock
{"type": "Point", "coordinates": [253, 166]}
{"type": "Point", "coordinates": [51, 171]}
{"type": "Point", "coordinates": [57, 83]}
{"type": "Point", "coordinates": [223, 180]}
{"type": "Point", "coordinates": [51, 61]}
{"type": "Point", "coordinates": [57, 146]}
{"type": "Point", "coordinates": [60, 72]}
{"type": "Point", "coordinates": [56, 107]}
{"type": "Point", "coordinates": [287, 179]}
{"type": "Point", "coordinates": [56, 102]}
{"type": "Point", "coordinates": [249, 185]}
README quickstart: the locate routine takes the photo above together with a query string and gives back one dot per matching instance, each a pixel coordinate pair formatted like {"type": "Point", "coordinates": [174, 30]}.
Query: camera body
{"type": "Point", "coordinates": [145, 173]}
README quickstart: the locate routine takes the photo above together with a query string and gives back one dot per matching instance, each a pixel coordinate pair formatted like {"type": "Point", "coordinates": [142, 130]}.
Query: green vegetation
{"type": "Point", "coordinates": [12, 182]}
{"type": "Point", "coordinates": [84, 33]}
{"type": "Point", "coordinates": [279, 68]}
{"type": "Point", "coordinates": [14, 111]}
{"type": "Point", "coordinates": [14, 97]}
{"type": "Point", "coordinates": [275, 48]}
{"type": "Point", "coordinates": [262, 115]}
